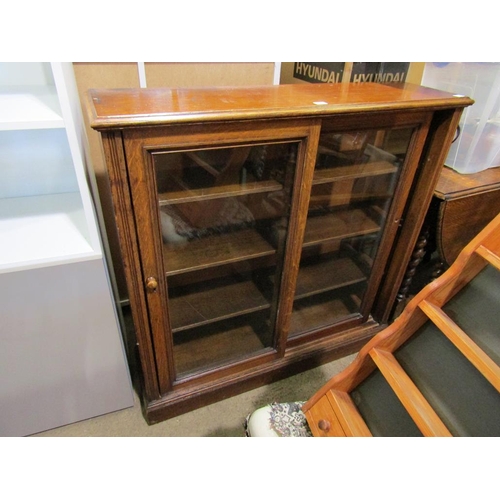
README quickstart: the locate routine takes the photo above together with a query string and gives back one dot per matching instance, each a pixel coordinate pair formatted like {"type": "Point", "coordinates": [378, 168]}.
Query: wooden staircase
{"type": "Point", "coordinates": [435, 370]}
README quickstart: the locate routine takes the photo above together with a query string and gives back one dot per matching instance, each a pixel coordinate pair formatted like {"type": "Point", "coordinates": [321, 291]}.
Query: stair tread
{"type": "Point", "coordinates": [348, 415]}
{"type": "Point", "coordinates": [463, 342]}
{"type": "Point", "coordinates": [464, 400]}
{"type": "Point", "coordinates": [475, 310]}
{"type": "Point", "coordinates": [490, 256]}
{"type": "Point", "coordinates": [412, 399]}
{"type": "Point", "coordinates": [382, 411]}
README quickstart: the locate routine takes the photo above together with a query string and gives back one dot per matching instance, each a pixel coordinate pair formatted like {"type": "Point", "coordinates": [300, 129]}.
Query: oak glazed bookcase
{"type": "Point", "coordinates": [264, 230]}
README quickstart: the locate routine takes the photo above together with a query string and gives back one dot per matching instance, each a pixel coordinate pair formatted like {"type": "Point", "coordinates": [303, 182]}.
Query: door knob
{"type": "Point", "coordinates": [151, 284]}
{"type": "Point", "coordinates": [324, 425]}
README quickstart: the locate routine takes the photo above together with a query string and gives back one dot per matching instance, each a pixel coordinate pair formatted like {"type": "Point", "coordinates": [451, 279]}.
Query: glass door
{"type": "Point", "coordinates": [224, 215]}
{"type": "Point", "coordinates": [354, 183]}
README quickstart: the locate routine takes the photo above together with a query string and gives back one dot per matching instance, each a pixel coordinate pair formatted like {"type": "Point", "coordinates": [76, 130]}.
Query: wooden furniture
{"type": "Point", "coordinates": [62, 356]}
{"type": "Point", "coordinates": [464, 204]}
{"type": "Point", "coordinates": [435, 371]}
{"type": "Point", "coordinates": [264, 230]}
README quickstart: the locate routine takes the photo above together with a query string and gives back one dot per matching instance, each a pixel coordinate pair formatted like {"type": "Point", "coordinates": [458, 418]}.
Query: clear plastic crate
{"type": "Point", "coordinates": [477, 146]}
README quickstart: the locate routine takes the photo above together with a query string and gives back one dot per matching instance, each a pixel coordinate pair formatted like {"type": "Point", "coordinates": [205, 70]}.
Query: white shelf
{"type": "Point", "coordinates": [62, 357]}
{"type": "Point", "coordinates": [29, 107]}
{"type": "Point", "coordinates": [37, 231]}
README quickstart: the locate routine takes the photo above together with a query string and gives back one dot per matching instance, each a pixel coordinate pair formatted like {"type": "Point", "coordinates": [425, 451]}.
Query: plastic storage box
{"type": "Point", "coordinates": [477, 146]}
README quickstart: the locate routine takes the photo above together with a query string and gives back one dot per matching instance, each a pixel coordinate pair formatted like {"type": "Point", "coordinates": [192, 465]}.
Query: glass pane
{"type": "Point", "coordinates": [224, 215]}
{"type": "Point", "coordinates": [353, 187]}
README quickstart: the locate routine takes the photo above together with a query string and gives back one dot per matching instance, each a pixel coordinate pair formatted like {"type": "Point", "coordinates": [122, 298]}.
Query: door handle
{"type": "Point", "coordinates": [151, 284]}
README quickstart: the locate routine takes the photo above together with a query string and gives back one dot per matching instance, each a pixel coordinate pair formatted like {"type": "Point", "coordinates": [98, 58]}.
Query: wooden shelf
{"type": "Point", "coordinates": [340, 224]}
{"type": "Point", "coordinates": [326, 293]}
{"type": "Point", "coordinates": [328, 274]}
{"type": "Point", "coordinates": [207, 305]}
{"type": "Point", "coordinates": [204, 194]}
{"type": "Point", "coordinates": [212, 346]}
{"type": "Point", "coordinates": [353, 172]}
{"type": "Point", "coordinates": [195, 156]}
{"type": "Point", "coordinates": [333, 200]}
{"type": "Point", "coordinates": [215, 250]}
{"type": "Point", "coordinates": [336, 153]}
{"type": "Point", "coordinates": [312, 312]}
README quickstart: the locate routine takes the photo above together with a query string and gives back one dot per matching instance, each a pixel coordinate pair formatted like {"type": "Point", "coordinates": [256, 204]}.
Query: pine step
{"type": "Point", "coordinates": [347, 414]}
{"type": "Point", "coordinates": [464, 400]}
{"type": "Point", "coordinates": [475, 310]}
{"type": "Point", "coordinates": [489, 256]}
{"type": "Point", "coordinates": [489, 369]}
{"type": "Point", "coordinates": [412, 399]}
{"type": "Point", "coordinates": [381, 409]}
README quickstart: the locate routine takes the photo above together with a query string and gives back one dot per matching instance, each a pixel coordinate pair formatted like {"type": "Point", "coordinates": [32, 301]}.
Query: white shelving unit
{"type": "Point", "coordinates": [46, 213]}
{"type": "Point", "coordinates": [55, 295]}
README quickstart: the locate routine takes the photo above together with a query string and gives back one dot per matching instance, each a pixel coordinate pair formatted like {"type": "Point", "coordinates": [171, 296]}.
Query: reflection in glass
{"type": "Point", "coordinates": [353, 187]}
{"type": "Point", "coordinates": [224, 215]}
